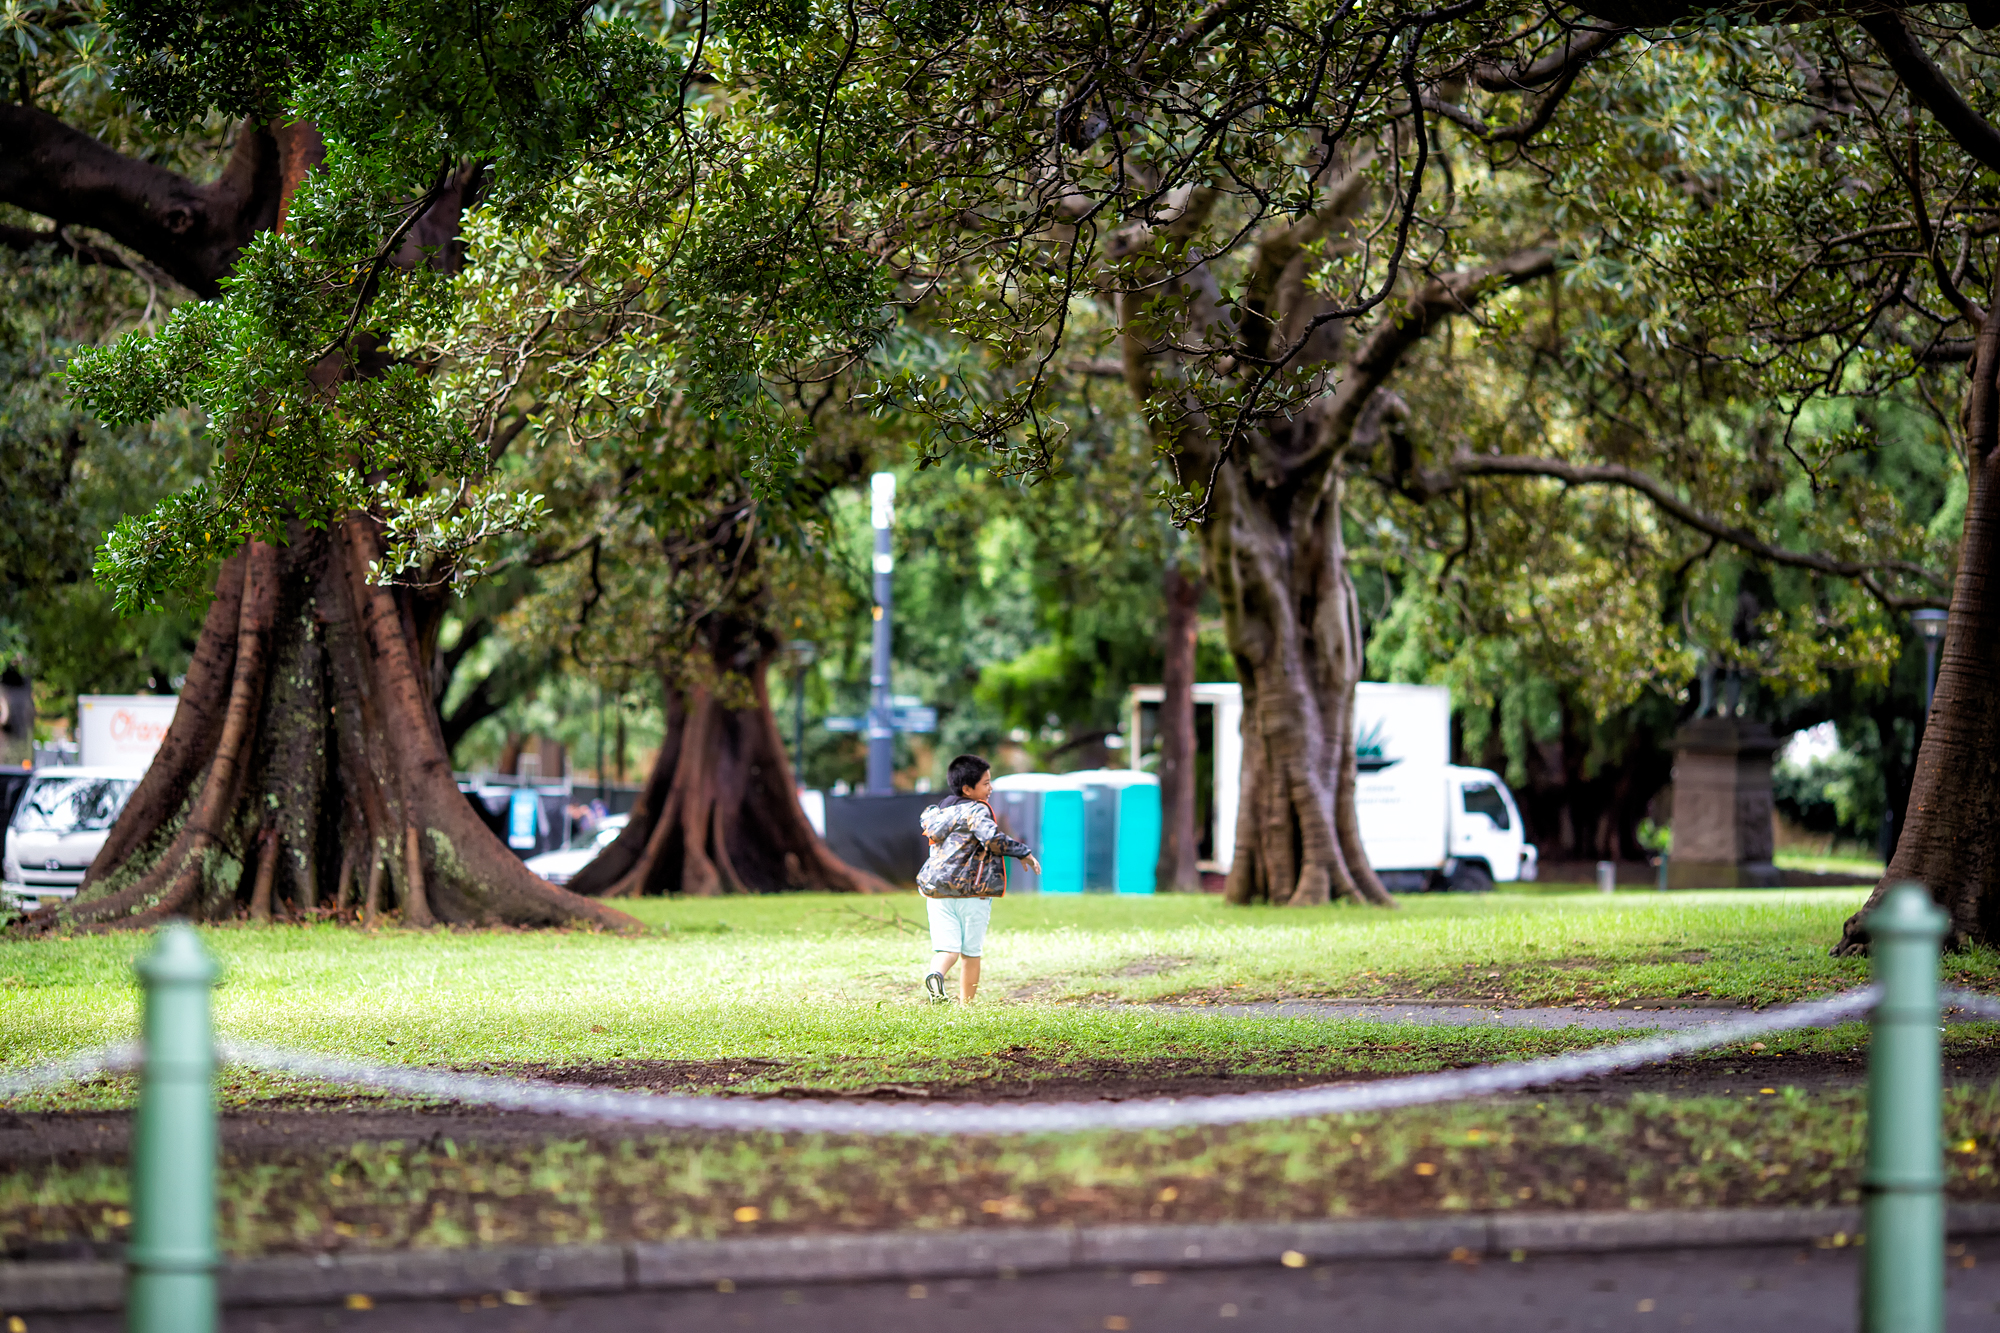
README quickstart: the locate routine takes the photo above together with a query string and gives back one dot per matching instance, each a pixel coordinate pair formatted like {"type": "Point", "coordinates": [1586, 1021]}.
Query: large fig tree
{"type": "Point", "coordinates": [306, 766]}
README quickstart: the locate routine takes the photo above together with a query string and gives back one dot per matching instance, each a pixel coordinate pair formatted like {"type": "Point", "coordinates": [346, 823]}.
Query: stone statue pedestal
{"type": "Point", "coordinates": [1722, 805]}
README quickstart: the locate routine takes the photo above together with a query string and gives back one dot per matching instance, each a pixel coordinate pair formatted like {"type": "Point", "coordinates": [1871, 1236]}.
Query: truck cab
{"type": "Point", "coordinates": [1484, 842]}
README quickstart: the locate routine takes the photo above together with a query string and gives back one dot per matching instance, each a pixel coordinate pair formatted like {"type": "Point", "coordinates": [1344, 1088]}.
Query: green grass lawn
{"type": "Point", "coordinates": [828, 985]}
{"type": "Point", "coordinates": [825, 988]}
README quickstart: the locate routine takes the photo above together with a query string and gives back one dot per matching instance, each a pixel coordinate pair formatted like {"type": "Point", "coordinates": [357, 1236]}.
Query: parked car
{"type": "Point", "coordinates": [58, 829]}
{"type": "Point", "coordinates": [562, 865]}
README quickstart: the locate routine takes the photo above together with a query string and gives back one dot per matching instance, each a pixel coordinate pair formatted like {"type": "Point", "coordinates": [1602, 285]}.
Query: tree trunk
{"type": "Point", "coordinates": [720, 812]}
{"type": "Point", "coordinates": [1949, 841]}
{"type": "Point", "coordinates": [1178, 870]}
{"type": "Point", "coordinates": [307, 741]}
{"type": "Point", "coordinates": [306, 745]}
{"type": "Point", "coordinates": [1276, 559]}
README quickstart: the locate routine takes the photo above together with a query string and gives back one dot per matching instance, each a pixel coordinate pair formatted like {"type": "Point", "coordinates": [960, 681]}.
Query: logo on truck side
{"type": "Point", "coordinates": [1368, 756]}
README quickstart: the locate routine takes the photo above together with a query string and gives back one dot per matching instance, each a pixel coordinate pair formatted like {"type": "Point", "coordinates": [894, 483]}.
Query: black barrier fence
{"type": "Point", "coordinates": [880, 834]}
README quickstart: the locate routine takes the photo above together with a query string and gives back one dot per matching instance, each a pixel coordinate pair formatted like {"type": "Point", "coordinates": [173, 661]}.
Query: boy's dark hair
{"type": "Point", "coordinates": [965, 771]}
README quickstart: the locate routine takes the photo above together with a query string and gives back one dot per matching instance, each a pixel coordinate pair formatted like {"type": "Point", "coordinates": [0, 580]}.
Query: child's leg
{"type": "Point", "coordinates": [976, 914]}
{"type": "Point", "coordinates": [947, 936]}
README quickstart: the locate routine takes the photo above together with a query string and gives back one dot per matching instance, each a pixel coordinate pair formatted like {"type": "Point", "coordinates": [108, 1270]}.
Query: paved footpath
{"type": "Point", "coordinates": [1713, 1290]}
{"type": "Point", "coordinates": [1429, 1014]}
{"type": "Point", "coordinates": [1434, 1013]}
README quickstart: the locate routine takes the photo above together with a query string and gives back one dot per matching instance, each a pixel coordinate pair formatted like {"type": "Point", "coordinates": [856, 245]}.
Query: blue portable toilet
{"type": "Point", "coordinates": [1121, 829]}
{"type": "Point", "coordinates": [1044, 810]}
{"type": "Point", "coordinates": [523, 810]}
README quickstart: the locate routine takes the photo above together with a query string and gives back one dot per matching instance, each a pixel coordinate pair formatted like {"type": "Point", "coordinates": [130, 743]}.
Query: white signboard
{"type": "Point", "coordinates": [122, 730]}
{"type": "Point", "coordinates": [1402, 744]}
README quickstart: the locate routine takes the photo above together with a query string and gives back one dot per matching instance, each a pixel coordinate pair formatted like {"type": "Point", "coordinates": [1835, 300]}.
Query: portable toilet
{"type": "Point", "coordinates": [1044, 810]}
{"type": "Point", "coordinates": [1121, 829]}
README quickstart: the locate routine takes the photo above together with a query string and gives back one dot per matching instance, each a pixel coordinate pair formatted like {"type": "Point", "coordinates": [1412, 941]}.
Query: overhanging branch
{"type": "Point", "coordinates": [1867, 573]}
{"type": "Point", "coordinates": [192, 232]}
{"type": "Point", "coordinates": [1930, 85]}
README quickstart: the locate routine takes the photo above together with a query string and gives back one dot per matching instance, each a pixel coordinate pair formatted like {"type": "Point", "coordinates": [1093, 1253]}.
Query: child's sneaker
{"type": "Point", "coordinates": [934, 986]}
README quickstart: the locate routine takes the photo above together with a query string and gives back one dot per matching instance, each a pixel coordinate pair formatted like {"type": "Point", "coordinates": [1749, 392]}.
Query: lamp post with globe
{"type": "Point", "coordinates": [804, 653]}
{"type": "Point", "coordinates": [1930, 623]}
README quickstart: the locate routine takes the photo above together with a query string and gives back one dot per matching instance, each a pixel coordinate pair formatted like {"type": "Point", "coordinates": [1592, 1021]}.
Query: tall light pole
{"type": "Point", "coordinates": [803, 652]}
{"type": "Point", "coordinates": [1930, 624]}
{"type": "Point", "coordinates": [881, 715]}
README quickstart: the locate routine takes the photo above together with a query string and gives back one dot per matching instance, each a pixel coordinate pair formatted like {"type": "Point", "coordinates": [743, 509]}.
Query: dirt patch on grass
{"type": "Point", "coordinates": [302, 1183]}
{"type": "Point", "coordinates": [1578, 979]}
{"type": "Point", "coordinates": [1153, 965]}
{"type": "Point", "coordinates": [1036, 1078]}
{"type": "Point", "coordinates": [286, 1124]}
{"type": "Point", "coordinates": [1020, 1077]}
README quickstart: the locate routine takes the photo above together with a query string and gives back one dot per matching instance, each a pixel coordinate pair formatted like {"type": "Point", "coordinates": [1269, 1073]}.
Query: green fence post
{"type": "Point", "coordinates": [1902, 1279]}
{"type": "Point", "coordinates": [171, 1260]}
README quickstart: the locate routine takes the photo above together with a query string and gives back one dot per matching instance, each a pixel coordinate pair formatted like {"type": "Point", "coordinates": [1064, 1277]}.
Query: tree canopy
{"type": "Point", "coordinates": [1559, 353]}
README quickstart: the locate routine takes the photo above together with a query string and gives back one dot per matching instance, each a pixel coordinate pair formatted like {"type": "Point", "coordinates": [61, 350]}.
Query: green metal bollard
{"type": "Point", "coordinates": [171, 1260]}
{"type": "Point", "coordinates": [1902, 1278]}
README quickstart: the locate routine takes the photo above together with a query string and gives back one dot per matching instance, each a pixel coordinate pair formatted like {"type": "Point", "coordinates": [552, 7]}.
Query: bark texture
{"type": "Point", "coordinates": [193, 231]}
{"type": "Point", "coordinates": [1947, 841]}
{"type": "Point", "coordinates": [1178, 869]}
{"type": "Point", "coordinates": [306, 756]}
{"type": "Point", "coordinates": [720, 812]}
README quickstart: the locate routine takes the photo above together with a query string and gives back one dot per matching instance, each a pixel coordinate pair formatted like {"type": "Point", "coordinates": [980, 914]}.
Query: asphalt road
{"type": "Point", "coordinates": [1717, 1291]}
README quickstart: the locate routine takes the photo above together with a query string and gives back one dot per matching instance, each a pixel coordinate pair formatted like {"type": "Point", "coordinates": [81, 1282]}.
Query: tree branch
{"type": "Point", "coordinates": [1433, 483]}
{"type": "Point", "coordinates": [1578, 50]}
{"type": "Point", "coordinates": [1930, 85]}
{"type": "Point", "coordinates": [1429, 306]}
{"type": "Point", "coordinates": [1282, 242]}
{"type": "Point", "coordinates": [24, 239]}
{"type": "Point", "coordinates": [192, 232]}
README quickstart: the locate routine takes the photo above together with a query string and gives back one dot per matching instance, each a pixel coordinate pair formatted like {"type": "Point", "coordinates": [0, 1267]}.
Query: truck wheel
{"type": "Point", "coordinates": [1471, 877]}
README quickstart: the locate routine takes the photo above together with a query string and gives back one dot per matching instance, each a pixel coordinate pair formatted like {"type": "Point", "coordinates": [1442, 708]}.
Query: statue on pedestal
{"type": "Point", "coordinates": [1722, 794]}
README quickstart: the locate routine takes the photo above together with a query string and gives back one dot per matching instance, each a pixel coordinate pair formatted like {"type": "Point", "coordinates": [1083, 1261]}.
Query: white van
{"type": "Point", "coordinates": [58, 828]}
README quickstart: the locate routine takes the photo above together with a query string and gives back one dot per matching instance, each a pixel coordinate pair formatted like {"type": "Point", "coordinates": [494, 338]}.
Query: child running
{"type": "Point", "coordinates": [965, 873]}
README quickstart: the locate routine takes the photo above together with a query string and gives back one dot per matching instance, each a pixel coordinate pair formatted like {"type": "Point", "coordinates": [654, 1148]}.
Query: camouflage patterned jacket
{"type": "Point", "coordinates": [967, 851]}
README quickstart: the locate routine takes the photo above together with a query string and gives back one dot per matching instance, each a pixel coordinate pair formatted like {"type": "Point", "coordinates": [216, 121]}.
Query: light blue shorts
{"type": "Point", "coordinates": [958, 925]}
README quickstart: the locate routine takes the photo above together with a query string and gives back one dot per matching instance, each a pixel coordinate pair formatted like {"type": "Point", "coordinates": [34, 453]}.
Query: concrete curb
{"type": "Point", "coordinates": [68, 1287]}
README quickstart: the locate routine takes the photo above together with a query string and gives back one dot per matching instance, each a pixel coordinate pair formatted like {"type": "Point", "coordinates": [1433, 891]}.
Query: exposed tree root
{"type": "Point", "coordinates": [719, 812]}
{"type": "Point", "coordinates": [306, 752]}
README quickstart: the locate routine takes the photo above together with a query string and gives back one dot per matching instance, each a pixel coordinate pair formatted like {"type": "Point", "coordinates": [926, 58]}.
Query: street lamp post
{"type": "Point", "coordinates": [881, 706]}
{"type": "Point", "coordinates": [1930, 623]}
{"type": "Point", "coordinates": [804, 652]}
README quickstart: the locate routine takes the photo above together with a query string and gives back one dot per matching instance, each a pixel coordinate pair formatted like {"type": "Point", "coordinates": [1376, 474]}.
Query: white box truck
{"type": "Point", "coordinates": [1425, 822]}
{"type": "Point", "coordinates": [122, 730]}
